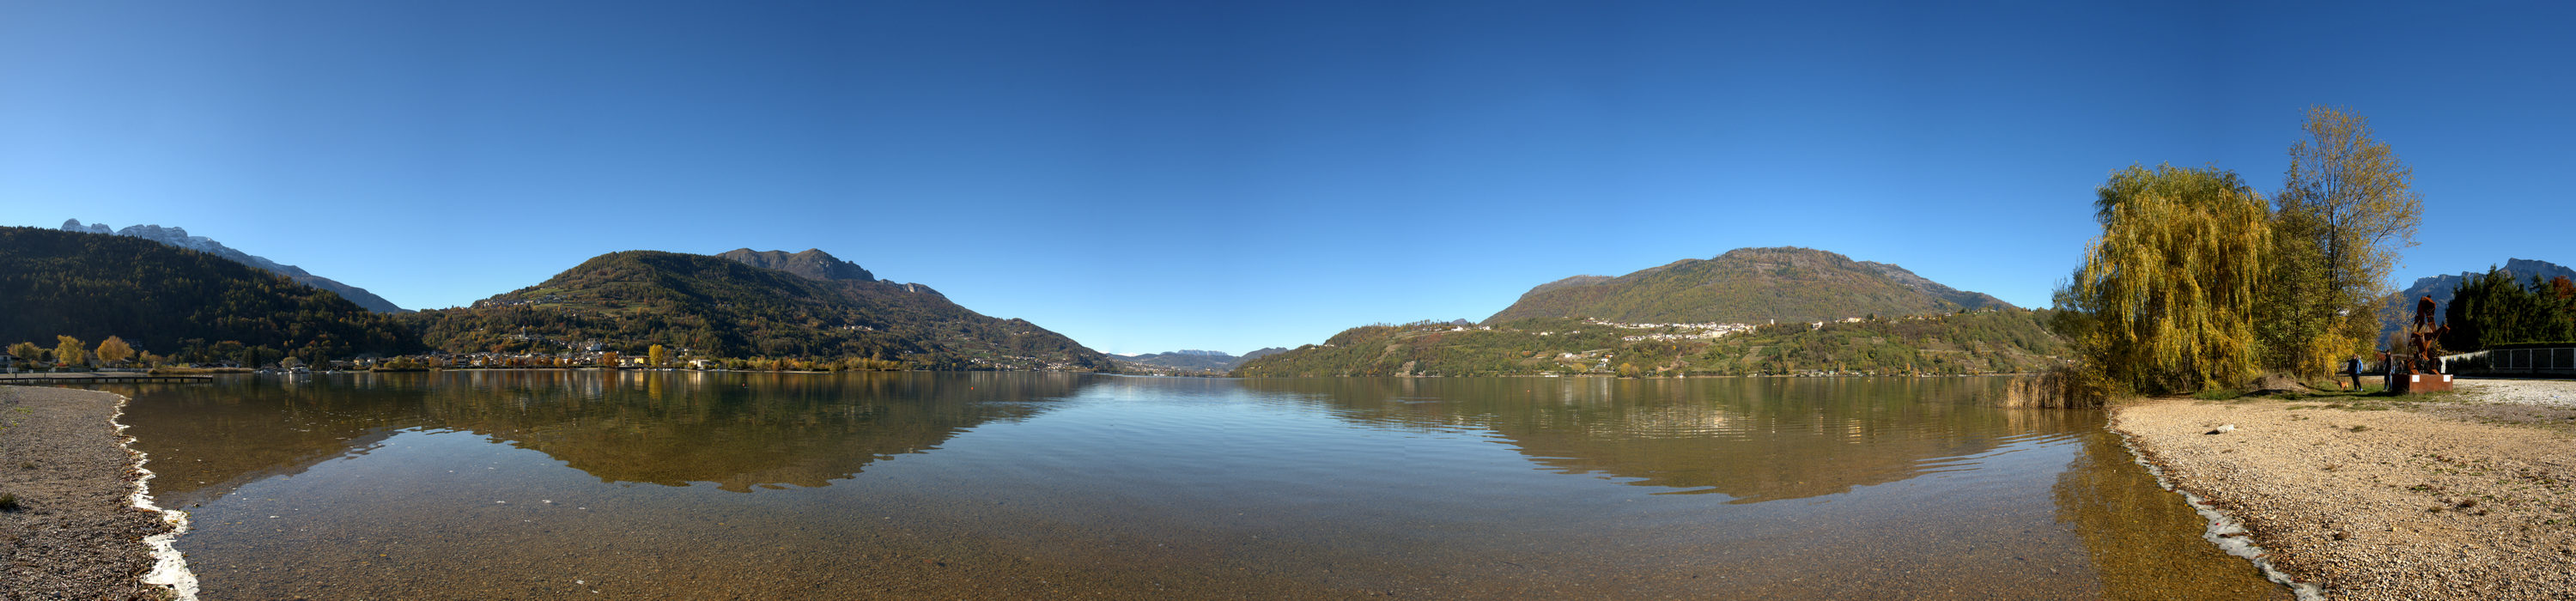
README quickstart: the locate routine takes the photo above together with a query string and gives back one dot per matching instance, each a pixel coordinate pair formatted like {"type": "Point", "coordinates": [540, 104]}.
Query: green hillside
{"type": "Point", "coordinates": [726, 308]}
{"type": "Point", "coordinates": [173, 301]}
{"type": "Point", "coordinates": [2003, 340]}
{"type": "Point", "coordinates": [1748, 285]}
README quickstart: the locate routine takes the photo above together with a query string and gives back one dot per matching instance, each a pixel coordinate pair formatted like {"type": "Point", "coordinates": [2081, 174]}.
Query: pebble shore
{"type": "Point", "coordinates": [75, 533]}
{"type": "Point", "coordinates": [2470, 495]}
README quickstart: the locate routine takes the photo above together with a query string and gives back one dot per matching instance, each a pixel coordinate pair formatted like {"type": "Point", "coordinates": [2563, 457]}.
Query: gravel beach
{"type": "Point", "coordinates": [74, 533]}
{"type": "Point", "coordinates": [2470, 495]}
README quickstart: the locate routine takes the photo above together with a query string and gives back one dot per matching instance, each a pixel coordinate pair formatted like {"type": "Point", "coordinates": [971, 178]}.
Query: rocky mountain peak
{"type": "Point", "coordinates": [812, 264]}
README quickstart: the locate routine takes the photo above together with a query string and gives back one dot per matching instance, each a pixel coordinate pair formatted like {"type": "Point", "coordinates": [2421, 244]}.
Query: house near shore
{"type": "Point", "coordinates": [8, 364]}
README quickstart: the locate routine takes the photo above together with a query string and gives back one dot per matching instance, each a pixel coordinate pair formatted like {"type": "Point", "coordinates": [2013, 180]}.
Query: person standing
{"type": "Point", "coordinates": [2353, 366]}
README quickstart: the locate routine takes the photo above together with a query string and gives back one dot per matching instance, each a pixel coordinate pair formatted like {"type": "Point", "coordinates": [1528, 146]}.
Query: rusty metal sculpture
{"type": "Point", "coordinates": [2420, 370]}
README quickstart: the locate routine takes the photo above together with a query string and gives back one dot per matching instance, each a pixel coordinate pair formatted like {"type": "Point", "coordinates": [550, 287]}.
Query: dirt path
{"type": "Point", "coordinates": [74, 533]}
{"type": "Point", "coordinates": [2469, 496]}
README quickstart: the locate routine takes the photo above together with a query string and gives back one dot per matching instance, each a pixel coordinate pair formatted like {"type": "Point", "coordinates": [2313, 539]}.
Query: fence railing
{"type": "Point", "coordinates": [2516, 361]}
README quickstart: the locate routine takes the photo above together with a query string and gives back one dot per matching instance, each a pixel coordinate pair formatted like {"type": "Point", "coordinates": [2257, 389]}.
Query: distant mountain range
{"type": "Point", "coordinates": [1746, 285]}
{"type": "Point", "coordinates": [745, 303]}
{"type": "Point", "coordinates": [2441, 287]}
{"type": "Point", "coordinates": [179, 237]}
{"type": "Point", "coordinates": [1215, 361]}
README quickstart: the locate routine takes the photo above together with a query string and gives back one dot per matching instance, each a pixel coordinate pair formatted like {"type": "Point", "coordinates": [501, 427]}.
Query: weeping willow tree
{"type": "Point", "coordinates": [2168, 296]}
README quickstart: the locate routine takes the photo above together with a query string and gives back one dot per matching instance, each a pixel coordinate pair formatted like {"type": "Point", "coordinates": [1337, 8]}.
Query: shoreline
{"type": "Point", "coordinates": [2463, 496]}
{"type": "Point", "coordinates": [82, 522]}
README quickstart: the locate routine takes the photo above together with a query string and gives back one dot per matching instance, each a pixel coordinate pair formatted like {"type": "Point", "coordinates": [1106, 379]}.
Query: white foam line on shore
{"type": "Point", "coordinates": [169, 567]}
{"type": "Point", "coordinates": [2224, 531]}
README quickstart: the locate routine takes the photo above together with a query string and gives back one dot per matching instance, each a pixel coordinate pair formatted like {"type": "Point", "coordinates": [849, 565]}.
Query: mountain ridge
{"type": "Point", "coordinates": [173, 300]}
{"type": "Point", "coordinates": [723, 306]}
{"type": "Point", "coordinates": [813, 264]}
{"type": "Point", "coordinates": [177, 236]}
{"type": "Point", "coordinates": [1746, 285]}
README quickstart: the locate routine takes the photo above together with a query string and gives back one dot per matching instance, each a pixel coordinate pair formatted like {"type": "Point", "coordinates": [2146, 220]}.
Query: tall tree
{"type": "Point", "coordinates": [70, 351]}
{"type": "Point", "coordinates": [2167, 297]}
{"type": "Point", "coordinates": [2350, 196]}
{"type": "Point", "coordinates": [114, 350]}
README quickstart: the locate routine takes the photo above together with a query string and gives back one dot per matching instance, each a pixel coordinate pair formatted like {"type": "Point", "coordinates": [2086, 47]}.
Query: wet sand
{"type": "Point", "coordinates": [2463, 496]}
{"type": "Point", "coordinates": [74, 534]}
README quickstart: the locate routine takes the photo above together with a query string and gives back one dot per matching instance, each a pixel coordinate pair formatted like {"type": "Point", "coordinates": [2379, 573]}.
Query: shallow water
{"type": "Point", "coordinates": [544, 484]}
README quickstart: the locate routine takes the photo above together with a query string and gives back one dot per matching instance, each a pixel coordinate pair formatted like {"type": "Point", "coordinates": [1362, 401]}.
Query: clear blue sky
{"type": "Point", "coordinates": [1233, 175]}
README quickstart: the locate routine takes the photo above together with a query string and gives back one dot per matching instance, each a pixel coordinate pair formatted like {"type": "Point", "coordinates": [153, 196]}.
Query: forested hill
{"type": "Point", "coordinates": [170, 300]}
{"type": "Point", "coordinates": [1747, 285]}
{"type": "Point", "coordinates": [723, 307]}
{"type": "Point", "coordinates": [179, 237]}
{"type": "Point", "coordinates": [2002, 340]}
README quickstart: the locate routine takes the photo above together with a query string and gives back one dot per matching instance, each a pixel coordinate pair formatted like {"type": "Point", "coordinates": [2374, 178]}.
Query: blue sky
{"type": "Point", "coordinates": [1233, 175]}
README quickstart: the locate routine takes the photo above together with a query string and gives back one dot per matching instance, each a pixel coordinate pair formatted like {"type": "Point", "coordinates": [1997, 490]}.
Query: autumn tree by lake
{"type": "Point", "coordinates": [113, 350]}
{"type": "Point", "coordinates": [70, 351]}
{"type": "Point", "coordinates": [2167, 297]}
{"type": "Point", "coordinates": [2198, 282]}
{"type": "Point", "coordinates": [2347, 211]}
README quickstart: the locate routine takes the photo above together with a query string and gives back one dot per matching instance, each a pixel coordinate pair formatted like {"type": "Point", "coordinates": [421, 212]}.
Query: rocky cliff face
{"type": "Point", "coordinates": [813, 264]}
{"type": "Point", "coordinates": [179, 237]}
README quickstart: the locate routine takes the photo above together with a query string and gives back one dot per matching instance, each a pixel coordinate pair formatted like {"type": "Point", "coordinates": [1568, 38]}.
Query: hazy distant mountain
{"type": "Point", "coordinates": [1186, 359]}
{"type": "Point", "coordinates": [724, 306]}
{"type": "Point", "coordinates": [813, 264]}
{"type": "Point", "coordinates": [1198, 360]}
{"type": "Point", "coordinates": [179, 237]}
{"type": "Point", "coordinates": [1747, 285]}
{"type": "Point", "coordinates": [2440, 288]}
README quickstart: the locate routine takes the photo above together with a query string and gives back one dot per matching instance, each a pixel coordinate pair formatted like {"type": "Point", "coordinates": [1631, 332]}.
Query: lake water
{"type": "Point", "coordinates": [591, 484]}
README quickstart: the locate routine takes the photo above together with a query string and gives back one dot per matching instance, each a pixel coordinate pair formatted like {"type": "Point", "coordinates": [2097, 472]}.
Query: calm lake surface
{"type": "Point", "coordinates": [592, 484]}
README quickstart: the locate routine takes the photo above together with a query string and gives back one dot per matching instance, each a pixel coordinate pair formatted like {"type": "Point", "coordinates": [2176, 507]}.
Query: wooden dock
{"type": "Point", "coordinates": [93, 377]}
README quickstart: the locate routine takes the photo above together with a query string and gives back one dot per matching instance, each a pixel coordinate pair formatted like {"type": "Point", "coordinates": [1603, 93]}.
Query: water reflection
{"type": "Point", "coordinates": [1753, 439]}
{"type": "Point", "coordinates": [739, 431]}
{"type": "Point", "coordinates": [2144, 540]}
{"type": "Point", "coordinates": [453, 485]}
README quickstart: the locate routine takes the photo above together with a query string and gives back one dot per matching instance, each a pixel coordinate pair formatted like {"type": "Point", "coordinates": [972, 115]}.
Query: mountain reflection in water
{"type": "Point", "coordinates": [1753, 439]}
{"type": "Point", "coordinates": [549, 484]}
{"type": "Point", "coordinates": [668, 428]}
